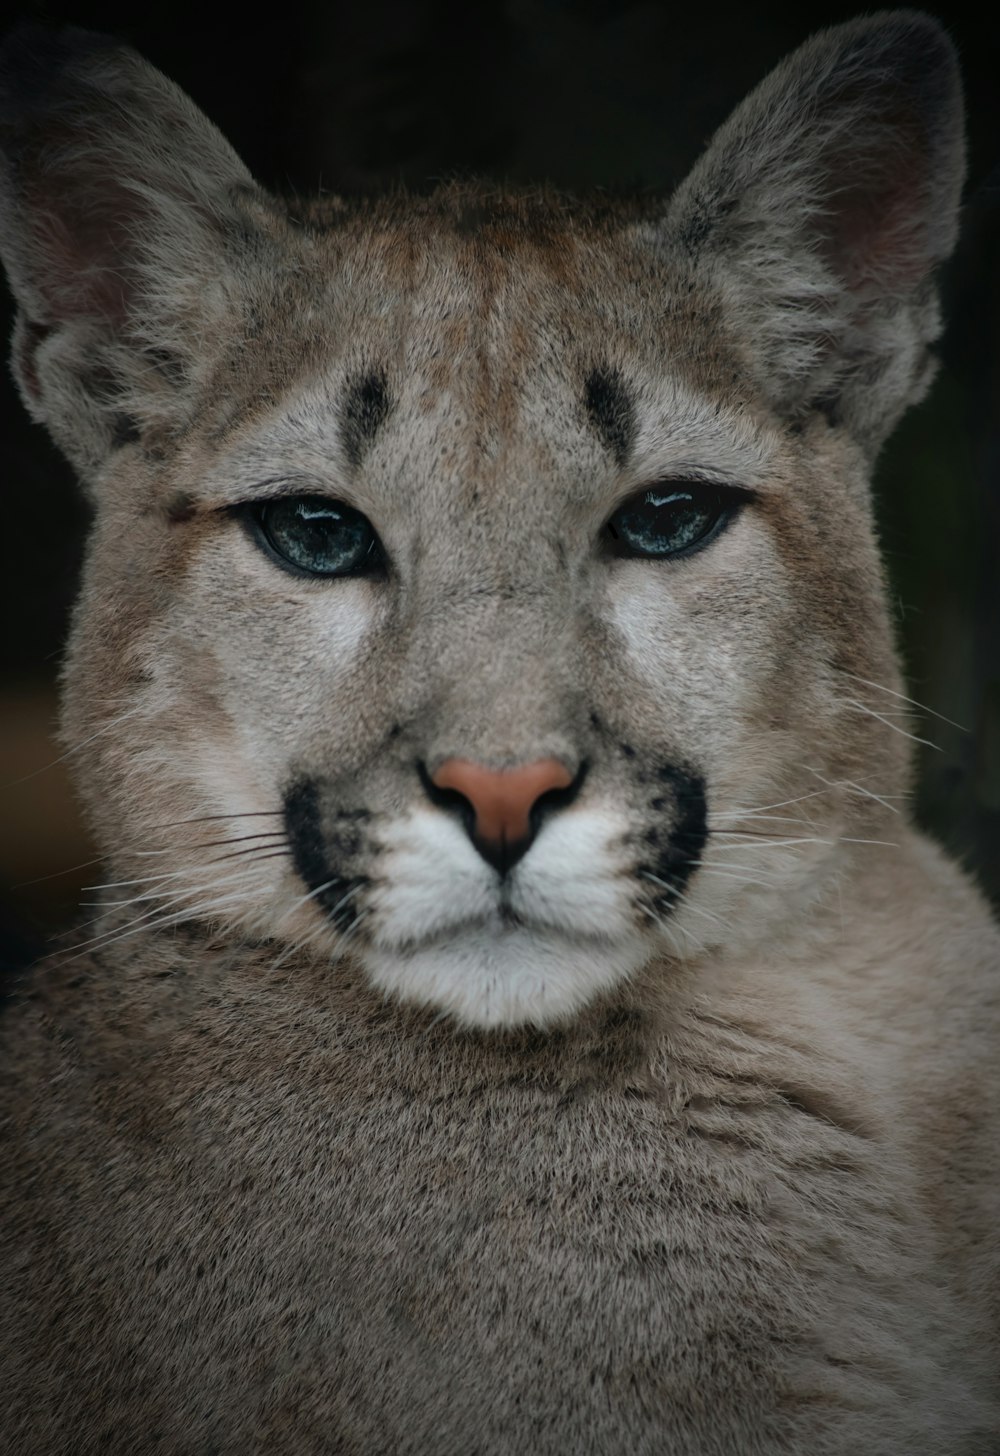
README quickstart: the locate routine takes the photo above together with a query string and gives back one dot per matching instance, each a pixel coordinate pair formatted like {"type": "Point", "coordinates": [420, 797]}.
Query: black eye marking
{"type": "Point", "coordinates": [312, 535]}
{"type": "Point", "coordinates": [611, 410]}
{"type": "Point", "coordinates": [675, 518]}
{"type": "Point", "coordinates": [365, 406]}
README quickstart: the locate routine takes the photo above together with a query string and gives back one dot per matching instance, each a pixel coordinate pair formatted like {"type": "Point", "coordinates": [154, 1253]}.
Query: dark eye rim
{"type": "Point", "coordinates": [726, 499]}
{"type": "Point", "coordinates": [249, 515]}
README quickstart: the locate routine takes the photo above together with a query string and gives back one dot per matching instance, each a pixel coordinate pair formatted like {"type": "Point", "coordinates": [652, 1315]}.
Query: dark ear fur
{"type": "Point", "coordinates": [821, 209]}
{"type": "Point", "coordinates": [118, 205]}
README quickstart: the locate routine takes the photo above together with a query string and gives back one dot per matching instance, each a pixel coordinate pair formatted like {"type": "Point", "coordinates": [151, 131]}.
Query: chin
{"type": "Point", "coordinates": [504, 975]}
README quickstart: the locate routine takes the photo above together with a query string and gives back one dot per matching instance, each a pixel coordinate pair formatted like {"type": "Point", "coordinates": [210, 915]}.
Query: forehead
{"type": "Point", "coordinates": [475, 305]}
{"type": "Point", "coordinates": [484, 331]}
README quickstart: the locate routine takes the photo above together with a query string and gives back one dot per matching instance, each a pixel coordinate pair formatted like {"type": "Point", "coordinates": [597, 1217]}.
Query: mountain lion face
{"type": "Point", "coordinates": [482, 591]}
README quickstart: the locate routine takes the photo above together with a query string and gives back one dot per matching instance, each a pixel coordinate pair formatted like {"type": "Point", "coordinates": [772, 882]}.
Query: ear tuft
{"type": "Point", "coordinates": [821, 210]}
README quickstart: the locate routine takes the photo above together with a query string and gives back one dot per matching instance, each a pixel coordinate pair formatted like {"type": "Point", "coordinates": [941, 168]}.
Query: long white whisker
{"type": "Point", "coordinates": [241, 875]}
{"type": "Point", "coordinates": [319, 933]}
{"type": "Point", "coordinates": [210, 818]}
{"type": "Point", "coordinates": [776, 843]}
{"type": "Point", "coordinates": [133, 927]}
{"type": "Point", "coordinates": [726, 874]}
{"type": "Point", "coordinates": [859, 788]}
{"type": "Point", "coordinates": [75, 748]}
{"type": "Point", "coordinates": [723, 865]}
{"type": "Point", "coordinates": [186, 871]}
{"type": "Point", "coordinates": [782, 804]}
{"type": "Point", "coordinates": [863, 708]}
{"type": "Point", "coordinates": [686, 904]}
{"type": "Point", "coordinates": [671, 931]}
{"type": "Point", "coordinates": [885, 843]}
{"type": "Point", "coordinates": [921, 707]}
{"type": "Point", "coordinates": [312, 895]}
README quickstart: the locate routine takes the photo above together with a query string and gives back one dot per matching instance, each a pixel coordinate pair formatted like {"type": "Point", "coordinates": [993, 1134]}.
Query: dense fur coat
{"type": "Point", "coordinates": [519, 1016]}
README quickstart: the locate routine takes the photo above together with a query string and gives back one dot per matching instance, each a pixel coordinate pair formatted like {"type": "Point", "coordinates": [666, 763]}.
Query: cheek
{"type": "Point", "coordinates": [699, 656]}
{"type": "Point", "coordinates": [268, 669]}
{"type": "Point", "coordinates": [715, 645]}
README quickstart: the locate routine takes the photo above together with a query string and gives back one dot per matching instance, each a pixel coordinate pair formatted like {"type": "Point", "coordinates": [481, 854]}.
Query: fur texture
{"type": "Point", "coordinates": [334, 1131]}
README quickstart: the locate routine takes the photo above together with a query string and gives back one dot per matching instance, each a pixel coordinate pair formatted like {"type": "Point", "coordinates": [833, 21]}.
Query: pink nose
{"type": "Point", "coordinates": [502, 798]}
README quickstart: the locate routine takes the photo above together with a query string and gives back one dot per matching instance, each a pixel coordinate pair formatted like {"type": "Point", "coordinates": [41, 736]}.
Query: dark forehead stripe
{"type": "Point", "coordinates": [363, 410]}
{"type": "Point", "coordinates": [611, 409]}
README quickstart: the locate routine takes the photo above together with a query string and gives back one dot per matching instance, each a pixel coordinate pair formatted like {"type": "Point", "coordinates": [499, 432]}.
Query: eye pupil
{"type": "Point", "coordinates": [314, 535]}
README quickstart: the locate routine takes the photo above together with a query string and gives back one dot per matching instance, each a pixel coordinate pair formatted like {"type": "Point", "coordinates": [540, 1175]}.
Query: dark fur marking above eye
{"type": "Point", "coordinates": [124, 431]}
{"type": "Point", "coordinates": [364, 409]}
{"type": "Point", "coordinates": [611, 410]}
{"type": "Point", "coordinates": [179, 507]}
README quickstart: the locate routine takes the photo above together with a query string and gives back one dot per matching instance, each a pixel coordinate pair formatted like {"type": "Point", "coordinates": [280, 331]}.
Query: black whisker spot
{"type": "Point", "coordinates": [678, 845]}
{"type": "Point", "coordinates": [304, 821]}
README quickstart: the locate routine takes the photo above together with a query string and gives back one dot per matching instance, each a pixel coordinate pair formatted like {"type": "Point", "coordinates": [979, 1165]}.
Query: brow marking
{"type": "Point", "coordinates": [611, 410]}
{"type": "Point", "coordinates": [364, 408]}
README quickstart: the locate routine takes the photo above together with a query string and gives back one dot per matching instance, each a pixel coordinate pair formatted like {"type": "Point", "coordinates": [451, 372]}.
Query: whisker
{"type": "Point", "coordinates": [139, 924]}
{"type": "Point", "coordinates": [187, 871]}
{"type": "Point", "coordinates": [162, 894]}
{"type": "Point", "coordinates": [257, 849]}
{"type": "Point", "coordinates": [168, 921]}
{"type": "Point", "coordinates": [670, 930]}
{"type": "Point", "coordinates": [304, 899]}
{"type": "Point", "coordinates": [754, 834]}
{"type": "Point", "coordinates": [76, 748]}
{"type": "Point", "coordinates": [72, 870]}
{"type": "Point", "coordinates": [863, 708]}
{"type": "Point", "coordinates": [882, 799]}
{"type": "Point", "coordinates": [922, 707]}
{"type": "Point", "coordinates": [722, 865]}
{"type": "Point", "coordinates": [673, 888]}
{"type": "Point", "coordinates": [210, 818]}
{"type": "Point", "coordinates": [725, 873]}
{"type": "Point", "coordinates": [237, 839]}
{"type": "Point", "coordinates": [778, 843]}
{"type": "Point", "coordinates": [885, 843]}
{"type": "Point", "coordinates": [318, 933]}
{"type": "Point", "coordinates": [782, 804]}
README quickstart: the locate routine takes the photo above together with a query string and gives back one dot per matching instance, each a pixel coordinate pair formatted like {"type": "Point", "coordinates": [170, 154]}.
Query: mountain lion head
{"type": "Point", "coordinates": [482, 594]}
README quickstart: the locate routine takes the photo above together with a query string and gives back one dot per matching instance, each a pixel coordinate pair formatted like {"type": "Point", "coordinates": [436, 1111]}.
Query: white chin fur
{"type": "Point", "coordinates": [496, 976]}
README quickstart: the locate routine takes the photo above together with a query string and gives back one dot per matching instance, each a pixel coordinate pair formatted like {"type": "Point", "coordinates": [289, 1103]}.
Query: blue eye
{"type": "Point", "coordinates": [675, 519]}
{"type": "Point", "coordinates": [315, 536]}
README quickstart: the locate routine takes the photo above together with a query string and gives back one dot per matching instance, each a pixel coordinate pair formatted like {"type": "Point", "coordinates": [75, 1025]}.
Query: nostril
{"type": "Point", "coordinates": [447, 798]}
{"type": "Point", "coordinates": [557, 798]}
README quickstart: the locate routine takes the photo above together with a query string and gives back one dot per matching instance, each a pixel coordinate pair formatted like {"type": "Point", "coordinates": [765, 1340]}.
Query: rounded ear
{"type": "Point", "coordinates": [121, 208]}
{"type": "Point", "coordinates": [821, 209]}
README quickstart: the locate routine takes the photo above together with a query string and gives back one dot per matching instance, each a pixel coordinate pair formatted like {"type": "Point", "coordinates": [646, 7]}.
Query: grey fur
{"type": "Point", "coordinates": [682, 1137]}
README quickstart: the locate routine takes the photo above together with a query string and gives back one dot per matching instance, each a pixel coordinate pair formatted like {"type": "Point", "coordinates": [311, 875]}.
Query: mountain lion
{"type": "Point", "coordinates": [519, 1016]}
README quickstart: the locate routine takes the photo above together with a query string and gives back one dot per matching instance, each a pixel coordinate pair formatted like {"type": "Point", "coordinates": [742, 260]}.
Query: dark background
{"type": "Point", "coordinates": [577, 92]}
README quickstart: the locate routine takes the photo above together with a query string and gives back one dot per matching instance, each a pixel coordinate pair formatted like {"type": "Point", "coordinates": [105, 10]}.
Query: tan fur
{"type": "Point", "coordinates": [558, 1164]}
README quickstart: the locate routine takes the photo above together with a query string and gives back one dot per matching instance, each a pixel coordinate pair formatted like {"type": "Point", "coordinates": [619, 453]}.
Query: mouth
{"type": "Point", "coordinates": [508, 917]}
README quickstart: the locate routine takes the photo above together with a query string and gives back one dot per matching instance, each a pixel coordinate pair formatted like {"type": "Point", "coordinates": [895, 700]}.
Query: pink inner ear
{"type": "Point", "coordinates": [879, 231]}
{"type": "Point", "coordinates": [82, 247]}
{"type": "Point", "coordinates": [880, 237]}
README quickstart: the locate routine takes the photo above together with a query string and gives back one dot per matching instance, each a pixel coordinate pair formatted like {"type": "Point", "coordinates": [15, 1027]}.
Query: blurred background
{"type": "Point", "coordinates": [359, 97]}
